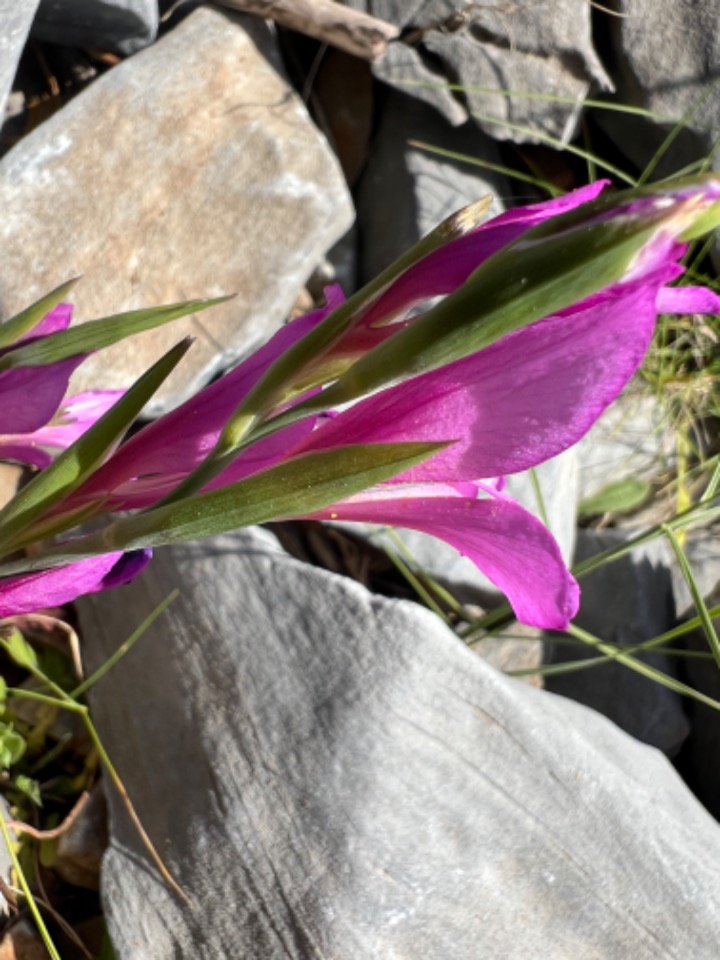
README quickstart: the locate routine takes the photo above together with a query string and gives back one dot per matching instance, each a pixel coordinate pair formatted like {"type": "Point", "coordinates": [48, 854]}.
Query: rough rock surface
{"type": "Point", "coordinates": [641, 38]}
{"type": "Point", "coordinates": [189, 170]}
{"type": "Point", "coordinates": [625, 602]}
{"type": "Point", "coordinates": [537, 47]}
{"type": "Point", "coordinates": [124, 26]}
{"type": "Point", "coordinates": [333, 774]}
{"type": "Point", "coordinates": [15, 22]}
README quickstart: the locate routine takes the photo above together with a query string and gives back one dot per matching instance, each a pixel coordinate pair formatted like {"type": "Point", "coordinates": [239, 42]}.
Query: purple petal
{"type": "Point", "coordinates": [21, 449]}
{"type": "Point", "coordinates": [515, 404]}
{"type": "Point", "coordinates": [53, 588]}
{"type": "Point", "coordinates": [30, 396]}
{"type": "Point", "coordinates": [688, 300]}
{"type": "Point", "coordinates": [129, 566]}
{"type": "Point", "coordinates": [511, 547]}
{"type": "Point", "coordinates": [71, 421]}
{"type": "Point", "coordinates": [58, 319]}
{"type": "Point", "coordinates": [165, 451]}
{"type": "Point", "coordinates": [147, 489]}
{"type": "Point", "coordinates": [446, 268]}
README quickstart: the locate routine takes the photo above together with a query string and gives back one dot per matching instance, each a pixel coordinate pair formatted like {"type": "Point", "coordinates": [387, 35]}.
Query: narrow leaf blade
{"type": "Point", "coordinates": [295, 488]}
{"type": "Point", "coordinates": [97, 334]}
{"type": "Point", "coordinates": [12, 329]}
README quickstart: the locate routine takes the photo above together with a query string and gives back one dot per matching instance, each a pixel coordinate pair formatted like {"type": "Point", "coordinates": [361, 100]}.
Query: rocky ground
{"type": "Point", "coordinates": [324, 767]}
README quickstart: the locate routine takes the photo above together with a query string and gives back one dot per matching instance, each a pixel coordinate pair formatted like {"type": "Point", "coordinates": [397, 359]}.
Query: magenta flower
{"type": "Point", "coordinates": [53, 588]}
{"type": "Point", "coordinates": [31, 396]}
{"type": "Point", "coordinates": [39, 424]}
{"type": "Point", "coordinates": [498, 410]}
{"type": "Point", "coordinates": [38, 447]}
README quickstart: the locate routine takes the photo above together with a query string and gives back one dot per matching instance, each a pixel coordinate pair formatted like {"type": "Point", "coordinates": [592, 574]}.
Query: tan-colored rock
{"type": "Point", "coordinates": [190, 170]}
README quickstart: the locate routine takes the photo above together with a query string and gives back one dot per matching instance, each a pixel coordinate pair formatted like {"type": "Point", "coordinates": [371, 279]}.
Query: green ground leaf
{"type": "Point", "coordinates": [621, 496]}
{"type": "Point", "coordinates": [17, 647]}
{"type": "Point", "coordinates": [12, 746]}
{"type": "Point", "coordinates": [28, 787]}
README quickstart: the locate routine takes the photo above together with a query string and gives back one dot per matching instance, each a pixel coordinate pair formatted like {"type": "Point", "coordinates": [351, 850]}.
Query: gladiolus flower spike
{"type": "Point", "coordinates": [547, 312]}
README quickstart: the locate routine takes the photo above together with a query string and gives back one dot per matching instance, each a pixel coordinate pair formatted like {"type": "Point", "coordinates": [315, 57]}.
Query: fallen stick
{"type": "Point", "coordinates": [339, 26]}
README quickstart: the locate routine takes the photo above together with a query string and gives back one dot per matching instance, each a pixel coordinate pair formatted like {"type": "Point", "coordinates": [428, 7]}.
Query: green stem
{"type": "Point", "coordinates": [147, 842]}
{"type": "Point", "coordinates": [700, 605]}
{"type": "Point", "coordinates": [639, 667]}
{"type": "Point", "coordinates": [125, 647]}
{"type": "Point", "coordinates": [32, 905]}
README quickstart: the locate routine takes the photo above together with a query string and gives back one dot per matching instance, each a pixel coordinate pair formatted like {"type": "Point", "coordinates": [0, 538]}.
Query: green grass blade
{"type": "Point", "coordinates": [16, 326]}
{"type": "Point", "coordinates": [297, 487]}
{"type": "Point", "coordinates": [545, 97]}
{"type": "Point", "coordinates": [681, 124]}
{"type": "Point", "coordinates": [126, 647]}
{"type": "Point", "coordinates": [487, 165]}
{"type": "Point", "coordinates": [642, 668]}
{"type": "Point", "coordinates": [409, 574]}
{"type": "Point", "coordinates": [620, 496]}
{"type": "Point", "coordinates": [559, 145]}
{"type": "Point", "coordinates": [412, 562]}
{"type": "Point", "coordinates": [538, 494]}
{"type": "Point", "coordinates": [713, 487]}
{"type": "Point", "coordinates": [97, 334]}
{"type": "Point", "coordinates": [25, 887]}
{"type": "Point", "coordinates": [700, 605]}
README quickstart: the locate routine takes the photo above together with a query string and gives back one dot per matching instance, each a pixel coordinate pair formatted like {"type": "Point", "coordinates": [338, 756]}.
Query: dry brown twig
{"type": "Point", "coordinates": [339, 26]}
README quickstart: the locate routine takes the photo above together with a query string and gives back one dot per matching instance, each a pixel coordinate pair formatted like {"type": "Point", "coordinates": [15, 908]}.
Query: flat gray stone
{"type": "Point", "coordinates": [16, 17]}
{"type": "Point", "coordinates": [330, 774]}
{"type": "Point", "coordinates": [192, 169]}
{"type": "Point", "coordinates": [625, 603]}
{"type": "Point", "coordinates": [123, 26]}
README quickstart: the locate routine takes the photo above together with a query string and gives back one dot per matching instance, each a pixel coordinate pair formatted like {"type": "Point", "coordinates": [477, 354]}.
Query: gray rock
{"type": "Point", "coordinates": [625, 603]}
{"type": "Point", "coordinates": [15, 21]}
{"type": "Point", "coordinates": [189, 170]}
{"type": "Point", "coordinates": [123, 26]}
{"type": "Point", "coordinates": [640, 39]}
{"type": "Point", "coordinates": [332, 774]}
{"type": "Point", "coordinates": [419, 188]}
{"type": "Point", "coordinates": [540, 48]}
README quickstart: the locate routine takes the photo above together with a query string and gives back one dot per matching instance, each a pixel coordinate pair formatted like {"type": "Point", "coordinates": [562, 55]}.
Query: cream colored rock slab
{"type": "Point", "coordinates": [190, 170]}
